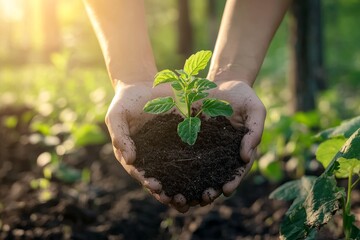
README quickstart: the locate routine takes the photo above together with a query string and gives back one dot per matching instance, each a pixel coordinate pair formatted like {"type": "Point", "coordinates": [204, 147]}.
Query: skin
{"type": "Point", "coordinates": [246, 30]}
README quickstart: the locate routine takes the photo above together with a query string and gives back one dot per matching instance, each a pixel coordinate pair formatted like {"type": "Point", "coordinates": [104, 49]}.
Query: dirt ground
{"type": "Point", "coordinates": [113, 206]}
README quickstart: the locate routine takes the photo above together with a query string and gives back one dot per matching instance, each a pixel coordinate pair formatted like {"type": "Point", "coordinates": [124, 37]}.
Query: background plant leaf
{"type": "Point", "coordinates": [88, 134]}
{"type": "Point", "coordinates": [346, 129]}
{"type": "Point", "coordinates": [293, 227]}
{"type": "Point", "coordinates": [293, 189]}
{"type": "Point", "coordinates": [197, 62]}
{"type": "Point", "coordinates": [328, 149]}
{"type": "Point", "coordinates": [351, 147]}
{"type": "Point", "coordinates": [188, 130]}
{"type": "Point", "coordinates": [322, 201]}
{"type": "Point", "coordinates": [214, 107]}
{"type": "Point", "coordinates": [159, 105]}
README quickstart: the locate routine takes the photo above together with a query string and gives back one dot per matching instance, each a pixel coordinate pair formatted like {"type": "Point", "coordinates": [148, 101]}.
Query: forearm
{"type": "Point", "coordinates": [121, 29]}
{"type": "Point", "coordinates": [245, 33]}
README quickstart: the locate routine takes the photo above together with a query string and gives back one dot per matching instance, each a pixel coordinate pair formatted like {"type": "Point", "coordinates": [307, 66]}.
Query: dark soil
{"type": "Point", "coordinates": [210, 163]}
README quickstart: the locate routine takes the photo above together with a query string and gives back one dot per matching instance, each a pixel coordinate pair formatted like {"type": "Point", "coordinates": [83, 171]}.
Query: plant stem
{"type": "Point", "coordinates": [180, 110]}
{"type": "Point", "coordinates": [346, 210]}
{"type": "Point", "coordinates": [349, 189]}
{"type": "Point", "coordinates": [199, 113]}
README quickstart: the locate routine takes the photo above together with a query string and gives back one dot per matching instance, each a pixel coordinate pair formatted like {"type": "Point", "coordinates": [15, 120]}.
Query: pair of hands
{"type": "Point", "coordinates": [126, 116]}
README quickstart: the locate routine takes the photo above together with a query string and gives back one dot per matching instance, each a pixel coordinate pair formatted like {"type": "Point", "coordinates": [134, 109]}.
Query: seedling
{"type": "Point", "coordinates": [188, 89]}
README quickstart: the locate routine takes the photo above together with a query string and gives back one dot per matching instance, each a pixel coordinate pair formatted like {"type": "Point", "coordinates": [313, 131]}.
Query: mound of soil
{"type": "Point", "coordinates": [181, 168]}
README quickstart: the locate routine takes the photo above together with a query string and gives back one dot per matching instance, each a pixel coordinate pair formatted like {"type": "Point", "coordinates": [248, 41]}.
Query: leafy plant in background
{"type": "Point", "coordinates": [317, 199]}
{"type": "Point", "coordinates": [292, 146]}
{"type": "Point", "coordinates": [188, 89]}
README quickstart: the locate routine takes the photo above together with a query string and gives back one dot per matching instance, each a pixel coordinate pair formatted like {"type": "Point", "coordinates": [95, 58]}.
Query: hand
{"type": "Point", "coordinates": [125, 117]}
{"type": "Point", "coordinates": [249, 112]}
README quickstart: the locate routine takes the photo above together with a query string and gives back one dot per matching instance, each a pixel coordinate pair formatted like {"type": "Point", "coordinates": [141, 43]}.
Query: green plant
{"type": "Point", "coordinates": [189, 89]}
{"type": "Point", "coordinates": [317, 199]}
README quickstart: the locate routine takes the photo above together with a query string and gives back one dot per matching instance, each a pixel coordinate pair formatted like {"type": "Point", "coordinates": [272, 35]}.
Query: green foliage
{"type": "Point", "coordinates": [345, 129]}
{"type": "Point", "coordinates": [159, 105]}
{"type": "Point", "coordinates": [270, 167]}
{"type": "Point", "coordinates": [316, 201]}
{"type": "Point", "coordinates": [188, 129]}
{"type": "Point", "coordinates": [88, 134]}
{"type": "Point", "coordinates": [188, 89]}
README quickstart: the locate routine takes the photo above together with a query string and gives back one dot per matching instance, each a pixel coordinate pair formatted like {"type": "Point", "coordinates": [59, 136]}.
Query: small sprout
{"type": "Point", "coordinates": [188, 89]}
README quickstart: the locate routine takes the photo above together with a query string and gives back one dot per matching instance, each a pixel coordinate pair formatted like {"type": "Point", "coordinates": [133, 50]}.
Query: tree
{"type": "Point", "coordinates": [306, 69]}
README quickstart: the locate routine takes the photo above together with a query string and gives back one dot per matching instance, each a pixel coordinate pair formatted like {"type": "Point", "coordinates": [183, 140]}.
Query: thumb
{"type": "Point", "coordinates": [255, 124]}
{"type": "Point", "coordinates": [124, 146]}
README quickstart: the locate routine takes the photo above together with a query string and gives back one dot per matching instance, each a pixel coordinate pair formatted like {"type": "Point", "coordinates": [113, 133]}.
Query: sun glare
{"type": "Point", "coordinates": [11, 9]}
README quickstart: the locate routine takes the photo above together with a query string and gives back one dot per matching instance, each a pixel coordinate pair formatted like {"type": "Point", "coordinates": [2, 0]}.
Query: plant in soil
{"type": "Point", "coordinates": [165, 146]}
{"type": "Point", "coordinates": [317, 199]}
{"type": "Point", "coordinates": [188, 89]}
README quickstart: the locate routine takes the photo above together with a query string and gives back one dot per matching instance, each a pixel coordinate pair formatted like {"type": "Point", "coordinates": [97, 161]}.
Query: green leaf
{"type": "Point", "coordinates": [165, 76]}
{"type": "Point", "coordinates": [328, 149]}
{"type": "Point", "coordinates": [322, 201]}
{"type": "Point", "coordinates": [188, 130]}
{"type": "Point", "coordinates": [201, 84]}
{"type": "Point", "coordinates": [293, 227]}
{"type": "Point", "coordinates": [316, 200]}
{"type": "Point", "coordinates": [176, 86]}
{"type": "Point", "coordinates": [355, 231]}
{"type": "Point", "coordinates": [346, 159]}
{"type": "Point", "coordinates": [181, 73]}
{"type": "Point", "coordinates": [270, 167]}
{"type": "Point", "coordinates": [88, 134]}
{"type": "Point", "coordinates": [196, 96]}
{"type": "Point", "coordinates": [214, 107]}
{"type": "Point", "coordinates": [346, 129]}
{"type": "Point", "coordinates": [197, 62]}
{"type": "Point", "coordinates": [159, 105]}
{"type": "Point", "coordinates": [293, 189]}
{"type": "Point", "coordinates": [66, 173]}
{"type": "Point", "coordinates": [351, 147]}
{"type": "Point", "coordinates": [345, 167]}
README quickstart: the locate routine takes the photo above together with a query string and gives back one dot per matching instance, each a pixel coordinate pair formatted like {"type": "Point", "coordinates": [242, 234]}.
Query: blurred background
{"type": "Point", "coordinates": [54, 93]}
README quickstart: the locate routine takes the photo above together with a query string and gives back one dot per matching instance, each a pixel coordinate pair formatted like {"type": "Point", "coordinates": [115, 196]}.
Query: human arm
{"type": "Point", "coordinates": [246, 31]}
{"type": "Point", "coordinates": [121, 29]}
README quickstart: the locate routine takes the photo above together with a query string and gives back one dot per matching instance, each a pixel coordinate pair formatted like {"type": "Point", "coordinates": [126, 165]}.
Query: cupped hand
{"type": "Point", "coordinates": [249, 112]}
{"type": "Point", "coordinates": [124, 118]}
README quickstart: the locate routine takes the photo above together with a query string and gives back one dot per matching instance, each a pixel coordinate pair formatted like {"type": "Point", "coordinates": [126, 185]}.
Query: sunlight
{"type": "Point", "coordinates": [11, 10]}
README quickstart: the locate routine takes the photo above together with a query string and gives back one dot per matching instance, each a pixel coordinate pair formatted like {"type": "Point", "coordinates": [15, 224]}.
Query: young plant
{"type": "Point", "coordinates": [188, 89]}
{"type": "Point", "coordinates": [317, 199]}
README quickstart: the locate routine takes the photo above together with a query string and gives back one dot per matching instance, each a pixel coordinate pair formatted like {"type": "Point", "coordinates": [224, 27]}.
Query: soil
{"type": "Point", "coordinates": [181, 168]}
{"type": "Point", "coordinates": [113, 206]}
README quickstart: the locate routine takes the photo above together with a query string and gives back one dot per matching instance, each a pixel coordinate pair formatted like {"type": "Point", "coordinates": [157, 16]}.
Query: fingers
{"type": "Point", "coordinates": [210, 195]}
{"type": "Point", "coordinates": [231, 186]}
{"type": "Point", "coordinates": [255, 120]}
{"type": "Point", "coordinates": [153, 185]}
{"type": "Point", "coordinates": [179, 203]}
{"type": "Point", "coordinates": [163, 198]}
{"type": "Point", "coordinates": [118, 127]}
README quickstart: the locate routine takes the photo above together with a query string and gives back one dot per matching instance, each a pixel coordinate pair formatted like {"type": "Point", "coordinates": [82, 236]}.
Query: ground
{"type": "Point", "coordinates": [112, 205]}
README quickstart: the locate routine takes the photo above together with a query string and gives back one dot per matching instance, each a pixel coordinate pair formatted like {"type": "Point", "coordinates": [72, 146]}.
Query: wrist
{"type": "Point", "coordinates": [230, 71]}
{"type": "Point", "coordinates": [140, 75]}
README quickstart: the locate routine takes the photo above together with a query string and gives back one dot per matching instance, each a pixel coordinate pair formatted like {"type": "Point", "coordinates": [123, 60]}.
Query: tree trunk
{"type": "Point", "coordinates": [185, 32]}
{"type": "Point", "coordinates": [306, 68]}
